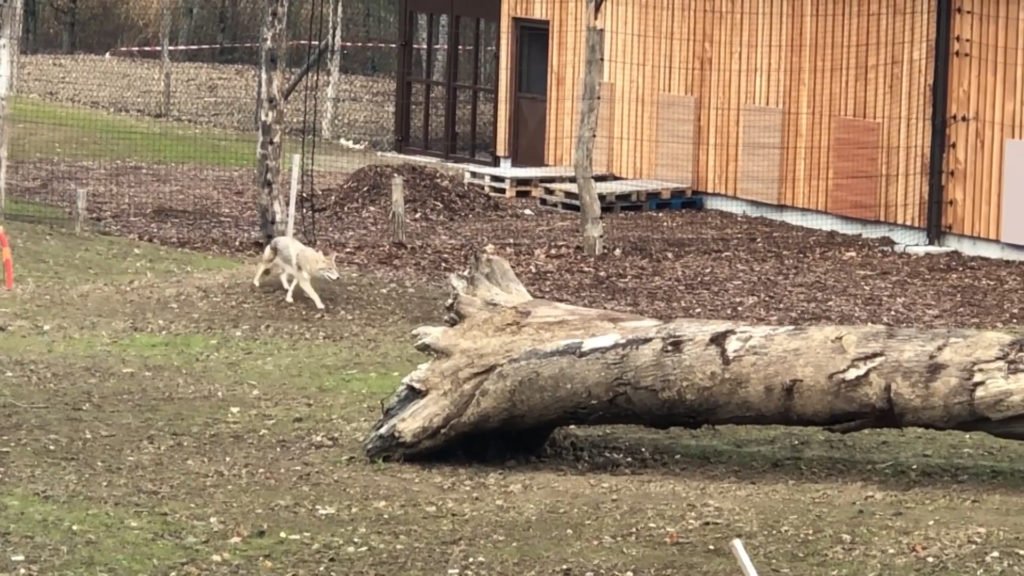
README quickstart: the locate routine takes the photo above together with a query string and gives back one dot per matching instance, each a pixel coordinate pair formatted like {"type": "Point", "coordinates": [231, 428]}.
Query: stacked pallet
{"type": "Point", "coordinates": [622, 195]}
{"type": "Point", "coordinates": [519, 182]}
{"type": "Point", "coordinates": [556, 187]}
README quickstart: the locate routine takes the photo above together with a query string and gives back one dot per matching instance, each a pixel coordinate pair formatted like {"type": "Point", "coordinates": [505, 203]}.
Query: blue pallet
{"type": "Point", "coordinates": [680, 203]}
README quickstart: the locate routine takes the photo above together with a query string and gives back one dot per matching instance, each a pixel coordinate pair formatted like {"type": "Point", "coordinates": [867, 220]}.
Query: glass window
{"type": "Point", "coordinates": [533, 61]}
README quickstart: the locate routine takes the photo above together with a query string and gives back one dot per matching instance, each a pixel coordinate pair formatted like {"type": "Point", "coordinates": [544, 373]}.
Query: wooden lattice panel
{"type": "Point", "coordinates": [675, 138]}
{"type": "Point", "coordinates": [856, 154]}
{"type": "Point", "coordinates": [760, 155]}
{"type": "Point", "coordinates": [604, 141]}
{"type": "Point", "coordinates": [1012, 225]}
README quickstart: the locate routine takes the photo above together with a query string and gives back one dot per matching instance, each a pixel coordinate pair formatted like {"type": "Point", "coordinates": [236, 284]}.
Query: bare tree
{"type": "Point", "coordinates": [590, 207]}
{"type": "Point", "coordinates": [334, 64]}
{"type": "Point", "coordinates": [223, 22]}
{"type": "Point", "coordinates": [189, 9]}
{"type": "Point", "coordinates": [167, 18]}
{"type": "Point", "coordinates": [30, 26]}
{"type": "Point", "coordinates": [273, 44]}
{"type": "Point", "coordinates": [67, 13]}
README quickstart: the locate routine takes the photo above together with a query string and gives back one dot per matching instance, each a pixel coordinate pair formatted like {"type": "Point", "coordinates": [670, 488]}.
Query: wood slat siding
{"type": "Point", "coordinates": [987, 109]}
{"type": "Point", "coordinates": [856, 168]}
{"type": "Point", "coordinates": [816, 61]}
{"type": "Point", "coordinates": [604, 145]}
{"type": "Point", "coordinates": [675, 152]}
{"type": "Point", "coordinates": [761, 158]}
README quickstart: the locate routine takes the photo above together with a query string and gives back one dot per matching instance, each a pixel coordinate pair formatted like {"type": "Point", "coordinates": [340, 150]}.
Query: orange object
{"type": "Point", "coordinates": [5, 247]}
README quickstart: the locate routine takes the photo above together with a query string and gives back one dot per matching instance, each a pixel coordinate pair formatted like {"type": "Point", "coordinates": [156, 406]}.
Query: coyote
{"type": "Point", "coordinates": [299, 261]}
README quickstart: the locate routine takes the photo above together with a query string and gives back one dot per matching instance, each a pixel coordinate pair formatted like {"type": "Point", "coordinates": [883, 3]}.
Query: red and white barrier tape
{"type": "Point", "coordinates": [256, 45]}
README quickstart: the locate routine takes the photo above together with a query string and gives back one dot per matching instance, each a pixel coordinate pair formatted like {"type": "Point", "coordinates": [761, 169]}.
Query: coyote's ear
{"type": "Point", "coordinates": [334, 257]}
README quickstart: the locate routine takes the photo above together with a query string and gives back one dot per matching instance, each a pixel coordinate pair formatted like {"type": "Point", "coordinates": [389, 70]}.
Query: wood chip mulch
{"type": "Point", "coordinates": [669, 264]}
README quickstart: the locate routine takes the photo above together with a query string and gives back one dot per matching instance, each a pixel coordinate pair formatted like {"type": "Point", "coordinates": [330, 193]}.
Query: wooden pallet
{"type": "Point", "coordinates": [652, 204]}
{"type": "Point", "coordinates": [622, 195]}
{"type": "Point", "coordinates": [519, 182]}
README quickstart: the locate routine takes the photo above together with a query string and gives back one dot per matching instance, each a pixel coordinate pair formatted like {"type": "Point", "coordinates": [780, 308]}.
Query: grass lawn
{"type": "Point", "coordinates": [29, 210]}
{"type": "Point", "coordinates": [159, 414]}
{"type": "Point", "coordinates": [46, 130]}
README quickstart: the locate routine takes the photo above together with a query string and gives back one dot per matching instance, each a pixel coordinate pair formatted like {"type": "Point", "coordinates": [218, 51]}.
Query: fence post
{"type": "Point", "coordinates": [940, 120]}
{"type": "Point", "coordinates": [8, 260]}
{"type": "Point", "coordinates": [80, 210]}
{"type": "Point", "coordinates": [736, 545]}
{"type": "Point", "coordinates": [397, 210]}
{"type": "Point", "coordinates": [397, 214]}
{"type": "Point", "coordinates": [293, 193]}
{"type": "Point", "coordinates": [10, 35]}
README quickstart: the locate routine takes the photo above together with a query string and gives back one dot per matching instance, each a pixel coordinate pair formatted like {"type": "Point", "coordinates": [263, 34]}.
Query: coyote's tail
{"type": "Point", "coordinates": [270, 252]}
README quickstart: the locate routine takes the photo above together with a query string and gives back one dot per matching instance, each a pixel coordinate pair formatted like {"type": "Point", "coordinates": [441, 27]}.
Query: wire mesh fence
{"type": "Point", "coordinates": [162, 142]}
{"type": "Point", "coordinates": [819, 106]}
{"type": "Point", "coordinates": [825, 108]}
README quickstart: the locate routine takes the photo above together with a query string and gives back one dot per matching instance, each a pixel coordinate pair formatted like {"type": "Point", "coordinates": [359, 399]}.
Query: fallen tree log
{"type": "Point", "coordinates": [508, 369]}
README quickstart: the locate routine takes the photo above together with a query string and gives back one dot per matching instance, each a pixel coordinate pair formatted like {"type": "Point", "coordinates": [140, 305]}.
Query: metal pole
{"type": "Point", "coordinates": [940, 119]}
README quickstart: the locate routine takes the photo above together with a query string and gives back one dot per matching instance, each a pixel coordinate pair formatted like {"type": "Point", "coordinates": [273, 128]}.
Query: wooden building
{"type": "Point", "coordinates": [826, 106]}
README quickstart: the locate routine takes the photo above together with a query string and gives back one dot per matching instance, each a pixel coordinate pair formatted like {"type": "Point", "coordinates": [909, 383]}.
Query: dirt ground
{"type": "Point", "coordinates": [159, 414]}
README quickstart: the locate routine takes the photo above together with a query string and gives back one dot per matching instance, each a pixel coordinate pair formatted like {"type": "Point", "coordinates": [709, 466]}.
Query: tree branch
{"type": "Point", "coordinates": [312, 62]}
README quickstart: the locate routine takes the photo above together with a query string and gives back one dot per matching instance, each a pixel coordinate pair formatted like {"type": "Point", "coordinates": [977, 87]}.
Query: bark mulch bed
{"type": "Point", "coordinates": [430, 195]}
{"type": "Point", "coordinates": [697, 264]}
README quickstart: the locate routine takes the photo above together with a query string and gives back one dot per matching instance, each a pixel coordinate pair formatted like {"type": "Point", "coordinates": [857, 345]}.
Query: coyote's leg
{"type": "Point", "coordinates": [260, 269]}
{"type": "Point", "coordinates": [307, 287]}
{"type": "Point", "coordinates": [288, 298]}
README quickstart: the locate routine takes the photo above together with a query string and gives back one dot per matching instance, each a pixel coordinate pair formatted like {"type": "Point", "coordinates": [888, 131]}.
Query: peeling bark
{"type": "Point", "coordinates": [273, 44]}
{"type": "Point", "coordinates": [334, 65]}
{"type": "Point", "coordinates": [508, 368]}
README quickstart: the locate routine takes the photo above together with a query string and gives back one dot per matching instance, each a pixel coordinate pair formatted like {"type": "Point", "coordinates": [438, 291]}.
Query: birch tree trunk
{"type": "Point", "coordinates": [508, 369]}
{"type": "Point", "coordinates": [273, 43]}
{"type": "Point", "coordinates": [334, 63]}
{"type": "Point", "coordinates": [10, 37]}
{"type": "Point", "coordinates": [167, 18]}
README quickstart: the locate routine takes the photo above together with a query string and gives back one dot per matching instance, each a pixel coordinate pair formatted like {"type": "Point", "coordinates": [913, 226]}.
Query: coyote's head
{"type": "Point", "coordinates": [326, 267]}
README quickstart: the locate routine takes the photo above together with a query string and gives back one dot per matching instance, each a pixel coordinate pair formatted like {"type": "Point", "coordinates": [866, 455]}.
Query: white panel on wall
{"type": "Point", "coordinates": [1013, 193]}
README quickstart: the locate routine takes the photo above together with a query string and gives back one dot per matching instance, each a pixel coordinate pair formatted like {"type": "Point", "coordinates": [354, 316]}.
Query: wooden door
{"type": "Point", "coordinates": [530, 101]}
